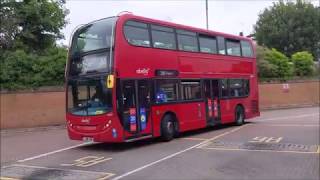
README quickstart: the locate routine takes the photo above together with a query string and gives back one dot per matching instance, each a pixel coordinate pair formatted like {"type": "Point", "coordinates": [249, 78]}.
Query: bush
{"type": "Point", "coordinates": [265, 68]}
{"type": "Point", "coordinates": [303, 63]}
{"type": "Point", "coordinates": [273, 64]}
{"type": "Point", "coordinates": [22, 70]}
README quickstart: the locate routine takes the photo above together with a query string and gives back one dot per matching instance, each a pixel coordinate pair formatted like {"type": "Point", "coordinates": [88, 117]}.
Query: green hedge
{"type": "Point", "coordinates": [273, 64]}
{"type": "Point", "coordinates": [23, 70]}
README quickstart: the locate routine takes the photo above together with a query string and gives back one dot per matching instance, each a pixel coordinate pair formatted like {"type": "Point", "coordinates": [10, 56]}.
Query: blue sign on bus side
{"type": "Point", "coordinates": [143, 118]}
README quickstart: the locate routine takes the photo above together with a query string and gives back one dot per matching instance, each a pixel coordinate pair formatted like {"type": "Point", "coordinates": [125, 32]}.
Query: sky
{"type": "Point", "coordinates": [228, 16]}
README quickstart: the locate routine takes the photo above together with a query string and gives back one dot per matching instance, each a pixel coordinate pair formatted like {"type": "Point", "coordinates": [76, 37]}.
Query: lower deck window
{"type": "Point", "coordinates": [236, 88]}
{"type": "Point", "coordinates": [166, 91]}
{"type": "Point", "coordinates": [190, 90]}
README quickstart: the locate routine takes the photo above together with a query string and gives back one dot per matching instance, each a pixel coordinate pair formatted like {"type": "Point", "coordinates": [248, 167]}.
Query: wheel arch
{"type": "Point", "coordinates": [175, 119]}
{"type": "Point", "coordinates": [242, 107]}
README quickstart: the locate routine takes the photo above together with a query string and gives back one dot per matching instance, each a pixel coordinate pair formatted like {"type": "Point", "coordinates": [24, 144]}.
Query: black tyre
{"type": "Point", "coordinates": [239, 116]}
{"type": "Point", "coordinates": [167, 128]}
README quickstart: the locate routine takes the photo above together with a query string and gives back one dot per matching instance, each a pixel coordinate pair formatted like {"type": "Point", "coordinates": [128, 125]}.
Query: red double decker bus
{"type": "Point", "coordinates": [130, 77]}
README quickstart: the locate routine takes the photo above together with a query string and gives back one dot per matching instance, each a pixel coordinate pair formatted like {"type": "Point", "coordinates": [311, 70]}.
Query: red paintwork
{"type": "Point", "coordinates": [128, 59]}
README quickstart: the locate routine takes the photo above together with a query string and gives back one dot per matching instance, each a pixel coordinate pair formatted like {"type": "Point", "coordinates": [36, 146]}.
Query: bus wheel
{"type": "Point", "coordinates": [239, 114]}
{"type": "Point", "coordinates": [167, 128]}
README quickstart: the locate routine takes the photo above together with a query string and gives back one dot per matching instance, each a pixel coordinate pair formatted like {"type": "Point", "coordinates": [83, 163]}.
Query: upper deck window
{"type": "Point", "coordinates": [91, 48]}
{"type": "Point", "coordinates": [208, 44]}
{"type": "Point", "coordinates": [94, 36]}
{"type": "Point", "coordinates": [163, 37]}
{"type": "Point", "coordinates": [187, 41]}
{"type": "Point", "coordinates": [137, 33]}
{"type": "Point", "coordinates": [233, 47]}
{"type": "Point", "coordinates": [221, 45]}
{"type": "Point", "coordinates": [246, 49]}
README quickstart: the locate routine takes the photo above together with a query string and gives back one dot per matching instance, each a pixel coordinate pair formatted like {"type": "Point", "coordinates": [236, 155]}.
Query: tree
{"type": "Point", "coordinates": [303, 63]}
{"type": "Point", "coordinates": [31, 24]}
{"type": "Point", "coordinates": [29, 56]}
{"type": "Point", "coordinates": [290, 27]}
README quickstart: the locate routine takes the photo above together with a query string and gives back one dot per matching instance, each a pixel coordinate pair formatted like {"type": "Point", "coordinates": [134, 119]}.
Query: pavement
{"type": "Point", "coordinates": [280, 144]}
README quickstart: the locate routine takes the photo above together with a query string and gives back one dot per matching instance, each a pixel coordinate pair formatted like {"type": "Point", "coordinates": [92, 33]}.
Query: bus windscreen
{"type": "Point", "coordinates": [88, 97]}
{"type": "Point", "coordinates": [91, 47]}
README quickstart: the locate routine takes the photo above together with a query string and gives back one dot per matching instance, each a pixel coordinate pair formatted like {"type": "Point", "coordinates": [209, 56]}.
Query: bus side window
{"type": "Point", "coordinates": [224, 88]}
{"type": "Point", "coordinates": [246, 86]}
{"type": "Point", "coordinates": [190, 90]}
{"type": "Point", "coordinates": [236, 87]}
{"type": "Point", "coordinates": [233, 47]}
{"type": "Point", "coordinates": [166, 91]}
{"type": "Point", "coordinates": [246, 49]}
{"type": "Point", "coordinates": [187, 41]}
{"type": "Point", "coordinates": [208, 44]}
{"type": "Point", "coordinates": [163, 37]}
{"type": "Point", "coordinates": [137, 33]}
{"type": "Point", "coordinates": [221, 45]}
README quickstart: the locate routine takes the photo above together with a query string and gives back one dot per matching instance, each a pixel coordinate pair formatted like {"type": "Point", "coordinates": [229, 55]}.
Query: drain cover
{"type": "Point", "coordinates": [40, 173]}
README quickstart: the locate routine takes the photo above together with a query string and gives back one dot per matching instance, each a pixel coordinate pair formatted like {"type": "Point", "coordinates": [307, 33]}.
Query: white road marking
{"type": "Point", "coordinates": [258, 150]}
{"type": "Point", "coordinates": [207, 141]}
{"type": "Point", "coordinates": [52, 152]}
{"type": "Point", "coordinates": [287, 117]}
{"type": "Point", "coordinates": [177, 153]}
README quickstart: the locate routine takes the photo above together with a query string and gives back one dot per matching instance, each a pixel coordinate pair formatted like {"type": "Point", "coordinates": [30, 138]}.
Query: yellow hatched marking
{"type": "Point", "coordinates": [88, 161]}
{"type": "Point", "coordinates": [8, 178]}
{"type": "Point", "coordinates": [106, 176]}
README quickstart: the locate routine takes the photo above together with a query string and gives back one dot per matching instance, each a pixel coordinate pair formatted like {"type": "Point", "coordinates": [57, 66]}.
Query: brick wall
{"type": "Point", "coordinates": [298, 94]}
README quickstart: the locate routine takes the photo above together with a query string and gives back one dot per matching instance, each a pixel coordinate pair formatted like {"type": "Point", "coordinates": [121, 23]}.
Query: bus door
{"type": "Point", "coordinates": [211, 92]}
{"type": "Point", "coordinates": [226, 110]}
{"type": "Point", "coordinates": [135, 107]}
{"type": "Point", "coordinates": [216, 101]}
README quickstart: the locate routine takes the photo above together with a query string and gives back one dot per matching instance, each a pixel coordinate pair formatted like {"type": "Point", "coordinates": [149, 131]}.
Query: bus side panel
{"type": "Point", "coordinates": [226, 111]}
{"type": "Point", "coordinates": [191, 116]}
{"type": "Point", "coordinates": [187, 114]}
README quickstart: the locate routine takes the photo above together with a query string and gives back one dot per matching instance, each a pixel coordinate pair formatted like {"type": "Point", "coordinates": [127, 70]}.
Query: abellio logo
{"type": "Point", "coordinates": [143, 71]}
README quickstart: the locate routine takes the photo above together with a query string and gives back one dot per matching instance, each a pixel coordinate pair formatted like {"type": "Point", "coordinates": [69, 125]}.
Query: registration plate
{"type": "Point", "coordinates": [87, 139]}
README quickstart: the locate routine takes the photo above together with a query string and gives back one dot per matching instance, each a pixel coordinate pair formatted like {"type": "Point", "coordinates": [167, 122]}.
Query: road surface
{"type": "Point", "coordinates": [281, 144]}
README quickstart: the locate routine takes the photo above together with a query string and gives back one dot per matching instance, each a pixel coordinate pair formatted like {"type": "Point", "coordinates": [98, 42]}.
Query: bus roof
{"type": "Point", "coordinates": [127, 16]}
